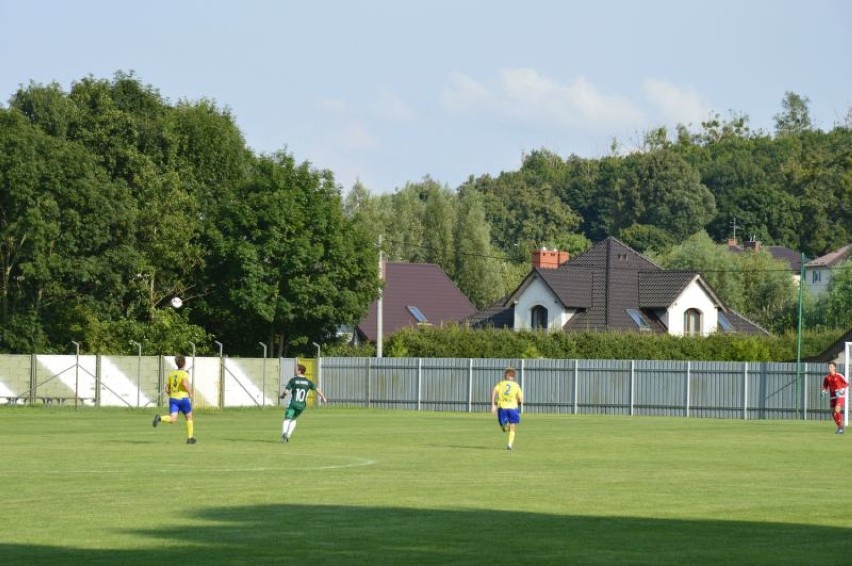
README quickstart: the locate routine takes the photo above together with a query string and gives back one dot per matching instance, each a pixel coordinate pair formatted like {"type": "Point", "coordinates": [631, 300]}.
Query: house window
{"type": "Point", "coordinates": [538, 318]}
{"type": "Point", "coordinates": [418, 316]}
{"type": "Point", "coordinates": [692, 322]}
{"type": "Point", "coordinates": [816, 276]}
{"type": "Point", "coordinates": [725, 324]}
{"type": "Point", "coordinates": [639, 319]}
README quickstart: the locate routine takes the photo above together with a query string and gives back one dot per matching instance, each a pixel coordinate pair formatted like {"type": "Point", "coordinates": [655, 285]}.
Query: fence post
{"type": "Point", "coordinates": [576, 381]}
{"type": "Point", "coordinates": [521, 408]}
{"type": "Point", "coordinates": [419, 383]}
{"type": "Point", "coordinates": [632, 384]}
{"type": "Point", "coordinates": [804, 396]}
{"type": "Point", "coordinates": [745, 391]}
{"type": "Point", "coordinates": [369, 384]}
{"type": "Point", "coordinates": [470, 385]}
{"type": "Point", "coordinates": [688, 380]}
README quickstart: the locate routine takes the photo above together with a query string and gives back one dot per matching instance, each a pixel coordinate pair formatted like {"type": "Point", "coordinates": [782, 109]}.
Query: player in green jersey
{"type": "Point", "coordinates": [297, 388]}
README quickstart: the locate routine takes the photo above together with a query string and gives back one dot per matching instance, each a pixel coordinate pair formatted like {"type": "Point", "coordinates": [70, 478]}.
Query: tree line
{"type": "Point", "coordinates": [114, 200]}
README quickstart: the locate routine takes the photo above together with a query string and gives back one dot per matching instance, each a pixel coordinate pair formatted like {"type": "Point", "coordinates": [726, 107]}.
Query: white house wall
{"type": "Point", "coordinates": [537, 294]}
{"type": "Point", "coordinates": [693, 297]}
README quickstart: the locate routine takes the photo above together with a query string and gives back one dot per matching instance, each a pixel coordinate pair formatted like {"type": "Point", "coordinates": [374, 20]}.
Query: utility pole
{"type": "Point", "coordinates": [379, 306]}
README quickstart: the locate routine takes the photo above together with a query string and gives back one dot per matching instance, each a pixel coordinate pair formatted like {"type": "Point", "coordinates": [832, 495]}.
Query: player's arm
{"type": "Point", "coordinates": [520, 397]}
{"type": "Point", "coordinates": [284, 393]}
{"type": "Point", "coordinates": [494, 400]}
{"type": "Point", "coordinates": [322, 395]}
{"type": "Point", "coordinates": [187, 387]}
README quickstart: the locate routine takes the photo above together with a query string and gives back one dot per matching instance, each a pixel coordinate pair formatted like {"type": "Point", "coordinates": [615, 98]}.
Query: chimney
{"type": "Point", "coordinates": [753, 244]}
{"type": "Point", "coordinates": [549, 259]}
{"type": "Point", "coordinates": [732, 242]}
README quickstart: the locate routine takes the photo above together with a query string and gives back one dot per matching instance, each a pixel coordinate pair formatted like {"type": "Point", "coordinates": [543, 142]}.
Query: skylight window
{"type": "Point", "coordinates": [724, 323]}
{"type": "Point", "coordinates": [639, 319]}
{"type": "Point", "coordinates": [418, 316]}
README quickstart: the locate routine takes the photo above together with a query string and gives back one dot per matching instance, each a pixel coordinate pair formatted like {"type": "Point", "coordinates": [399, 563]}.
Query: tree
{"type": "Point", "coordinates": [794, 117]}
{"type": "Point", "coordinates": [291, 266]}
{"type": "Point", "coordinates": [477, 270]}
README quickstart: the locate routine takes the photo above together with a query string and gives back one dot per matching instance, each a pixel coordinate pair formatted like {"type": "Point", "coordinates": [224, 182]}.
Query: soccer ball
{"type": "Point", "coordinates": [177, 302]}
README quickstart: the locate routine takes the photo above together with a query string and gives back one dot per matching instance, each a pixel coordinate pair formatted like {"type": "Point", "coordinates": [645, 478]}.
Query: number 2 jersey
{"type": "Point", "coordinates": [507, 394]}
{"type": "Point", "coordinates": [299, 387]}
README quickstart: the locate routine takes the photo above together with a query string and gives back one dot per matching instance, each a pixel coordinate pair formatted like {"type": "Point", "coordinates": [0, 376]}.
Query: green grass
{"type": "Point", "coordinates": [101, 486]}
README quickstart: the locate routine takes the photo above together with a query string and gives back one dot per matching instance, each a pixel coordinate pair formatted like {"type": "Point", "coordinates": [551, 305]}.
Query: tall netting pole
{"type": "Point", "coordinates": [846, 375]}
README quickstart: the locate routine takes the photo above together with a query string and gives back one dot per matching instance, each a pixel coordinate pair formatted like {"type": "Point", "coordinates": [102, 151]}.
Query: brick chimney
{"type": "Point", "coordinates": [549, 259]}
{"type": "Point", "coordinates": [753, 244]}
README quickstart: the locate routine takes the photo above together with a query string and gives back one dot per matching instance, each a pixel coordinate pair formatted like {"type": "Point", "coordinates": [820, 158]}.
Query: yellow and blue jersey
{"type": "Point", "coordinates": [508, 394]}
{"type": "Point", "coordinates": [174, 384]}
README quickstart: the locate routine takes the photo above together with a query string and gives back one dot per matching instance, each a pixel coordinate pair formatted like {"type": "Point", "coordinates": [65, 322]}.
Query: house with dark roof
{"type": "Point", "coordinates": [780, 253]}
{"type": "Point", "coordinates": [818, 271]}
{"type": "Point", "coordinates": [612, 287]}
{"type": "Point", "coordinates": [414, 294]}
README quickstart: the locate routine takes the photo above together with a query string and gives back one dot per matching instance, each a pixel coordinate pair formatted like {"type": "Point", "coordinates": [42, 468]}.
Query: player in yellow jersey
{"type": "Point", "coordinates": [506, 401]}
{"type": "Point", "coordinates": [180, 399]}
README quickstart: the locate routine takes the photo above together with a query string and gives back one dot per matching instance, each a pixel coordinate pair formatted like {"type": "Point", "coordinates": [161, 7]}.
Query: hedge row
{"type": "Point", "coordinates": [458, 342]}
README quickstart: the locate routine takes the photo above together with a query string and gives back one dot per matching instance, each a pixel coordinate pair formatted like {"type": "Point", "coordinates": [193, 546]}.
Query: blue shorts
{"type": "Point", "coordinates": [180, 405]}
{"type": "Point", "coordinates": [508, 416]}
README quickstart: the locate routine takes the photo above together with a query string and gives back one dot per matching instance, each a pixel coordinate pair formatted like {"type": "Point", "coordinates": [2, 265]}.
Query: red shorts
{"type": "Point", "coordinates": [838, 402]}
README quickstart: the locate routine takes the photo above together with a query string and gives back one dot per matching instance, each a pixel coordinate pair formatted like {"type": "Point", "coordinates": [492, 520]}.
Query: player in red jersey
{"type": "Point", "coordinates": [835, 385]}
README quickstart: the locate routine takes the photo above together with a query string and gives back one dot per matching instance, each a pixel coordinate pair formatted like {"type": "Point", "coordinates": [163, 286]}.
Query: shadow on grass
{"type": "Point", "coordinates": [319, 534]}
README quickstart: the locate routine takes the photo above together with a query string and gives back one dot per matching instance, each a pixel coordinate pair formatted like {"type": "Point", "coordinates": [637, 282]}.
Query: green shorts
{"type": "Point", "coordinates": [293, 412]}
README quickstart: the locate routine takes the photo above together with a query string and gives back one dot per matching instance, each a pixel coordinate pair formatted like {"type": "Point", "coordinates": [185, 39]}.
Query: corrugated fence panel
{"type": "Point", "coordinates": [446, 384]}
{"type": "Point", "coordinates": [548, 386]}
{"type": "Point", "coordinates": [660, 388]}
{"type": "Point", "coordinates": [393, 383]}
{"type": "Point", "coordinates": [603, 387]}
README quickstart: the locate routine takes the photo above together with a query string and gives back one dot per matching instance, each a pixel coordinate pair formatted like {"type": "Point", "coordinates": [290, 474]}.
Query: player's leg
{"type": "Point", "coordinates": [502, 420]}
{"type": "Point", "coordinates": [514, 417]}
{"type": "Point", "coordinates": [285, 425]}
{"type": "Point", "coordinates": [291, 426]}
{"type": "Point", "coordinates": [838, 417]}
{"type": "Point", "coordinates": [190, 427]}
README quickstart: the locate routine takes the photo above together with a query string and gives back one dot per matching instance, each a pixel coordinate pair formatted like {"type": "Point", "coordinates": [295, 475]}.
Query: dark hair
{"type": "Point", "coordinates": [301, 368]}
{"type": "Point", "coordinates": [180, 361]}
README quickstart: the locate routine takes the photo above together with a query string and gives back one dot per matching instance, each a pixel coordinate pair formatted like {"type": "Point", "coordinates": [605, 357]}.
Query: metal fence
{"type": "Point", "coordinates": [742, 390]}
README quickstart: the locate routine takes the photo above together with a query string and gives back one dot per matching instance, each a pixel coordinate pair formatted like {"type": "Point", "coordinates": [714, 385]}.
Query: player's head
{"type": "Point", "coordinates": [180, 361]}
{"type": "Point", "coordinates": [301, 369]}
{"type": "Point", "coordinates": [832, 367]}
{"type": "Point", "coordinates": [509, 373]}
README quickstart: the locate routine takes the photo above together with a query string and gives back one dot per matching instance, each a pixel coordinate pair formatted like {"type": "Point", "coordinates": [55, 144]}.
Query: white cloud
{"type": "Point", "coordinates": [676, 105]}
{"type": "Point", "coordinates": [390, 106]}
{"type": "Point", "coordinates": [463, 93]}
{"type": "Point", "coordinates": [356, 136]}
{"type": "Point", "coordinates": [525, 95]}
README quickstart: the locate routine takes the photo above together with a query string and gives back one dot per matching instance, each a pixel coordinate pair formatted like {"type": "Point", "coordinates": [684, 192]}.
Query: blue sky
{"type": "Point", "coordinates": [390, 91]}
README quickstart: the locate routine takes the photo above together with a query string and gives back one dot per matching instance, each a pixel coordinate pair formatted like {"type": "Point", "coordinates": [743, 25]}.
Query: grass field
{"type": "Point", "coordinates": [101, 486]}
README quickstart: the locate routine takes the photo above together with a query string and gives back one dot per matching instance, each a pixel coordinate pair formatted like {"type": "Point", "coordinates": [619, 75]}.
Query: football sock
{"type": "Point", "coordinates": [511, 437]}
{"type": "Point", "coordinates": [292, 428]}
{"type": "Point", "coordinates": [285, 426]}
{"type": "Point", "coordinates": [166, 419]}
{"type": "Point", "coordinates": [190, 429]}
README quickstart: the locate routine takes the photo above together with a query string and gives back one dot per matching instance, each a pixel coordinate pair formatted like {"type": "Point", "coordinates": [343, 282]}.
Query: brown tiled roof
{"type": "Point", "coordinates": [602, 284]}
{"type": "Point", "coordinates": [780, 253]}
{"type": "Point", "coordinates": [832, 258]}
{"type": "Point", "coordinates": [421, 285]}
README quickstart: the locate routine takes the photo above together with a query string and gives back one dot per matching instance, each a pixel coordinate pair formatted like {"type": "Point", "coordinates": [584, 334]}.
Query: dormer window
{"type": "Point", "coordinates": [538, 318]}
{"type": "Point", "coordinates": [692, 322]}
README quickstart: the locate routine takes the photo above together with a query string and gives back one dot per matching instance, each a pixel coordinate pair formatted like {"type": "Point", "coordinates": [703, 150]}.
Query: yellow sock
{"type": "Point", "coordinates": [189, 429]}
{"type": "Point", "coordinates": [167, 419]}
{"type": "Point", "coordinates": [511, 437]}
